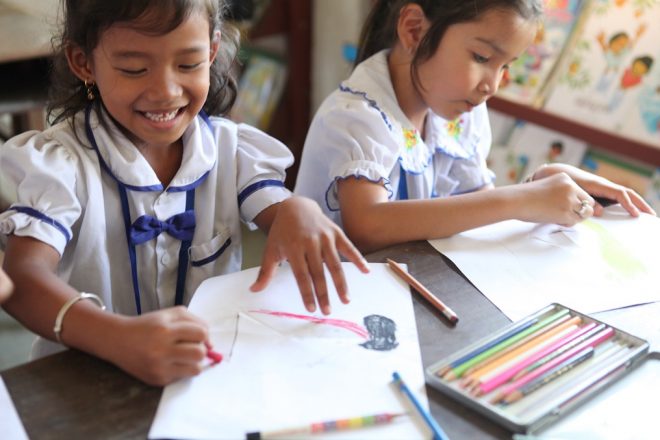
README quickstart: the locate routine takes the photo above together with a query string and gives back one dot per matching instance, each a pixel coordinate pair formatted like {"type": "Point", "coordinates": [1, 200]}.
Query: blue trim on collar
{"type": "Point", "coordinates": [247, 192]}
{"type": "Point", "coordinates": [372, 103]}
{"type": "Point", "coordinates": [104, 165]}
{"type": "Point", "coordinates": [149, 188]}
{"type": "Point", "coordinates": [44, 218]}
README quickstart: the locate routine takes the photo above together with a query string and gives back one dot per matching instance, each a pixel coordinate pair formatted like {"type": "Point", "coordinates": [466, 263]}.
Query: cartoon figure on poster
{"type": "Point", "coordinates": [616, 49]}
{"type": "Point", "coordinates": [631, 77]}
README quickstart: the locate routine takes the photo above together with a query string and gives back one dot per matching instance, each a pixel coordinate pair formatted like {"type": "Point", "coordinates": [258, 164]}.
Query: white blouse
{"type": "Point", "coordinates": [79, 191]}
{"type": "Point", "coordinates": [360, 131]}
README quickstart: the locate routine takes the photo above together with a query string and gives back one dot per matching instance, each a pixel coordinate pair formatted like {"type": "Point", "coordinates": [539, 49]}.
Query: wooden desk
{"type": "Point", "coordinates": [73, 395]}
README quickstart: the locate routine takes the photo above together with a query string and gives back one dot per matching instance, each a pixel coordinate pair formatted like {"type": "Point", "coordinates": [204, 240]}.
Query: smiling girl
{"type": "Point", "coordinates": [137, 192]}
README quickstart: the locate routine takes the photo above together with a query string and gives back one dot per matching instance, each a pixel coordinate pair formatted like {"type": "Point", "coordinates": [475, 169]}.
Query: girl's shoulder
{"type": "Point", "coordinates": [60, 142]}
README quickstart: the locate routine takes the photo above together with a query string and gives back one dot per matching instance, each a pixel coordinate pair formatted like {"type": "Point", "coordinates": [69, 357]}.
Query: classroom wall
{"type": "Point", "coordinates": [335, 23]}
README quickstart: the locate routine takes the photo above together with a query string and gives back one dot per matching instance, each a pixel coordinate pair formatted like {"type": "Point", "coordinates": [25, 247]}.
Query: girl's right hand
{"type": "Point", "coordinates": [554, 199]}
{"type": "Point", "coordinates": [161, 347]}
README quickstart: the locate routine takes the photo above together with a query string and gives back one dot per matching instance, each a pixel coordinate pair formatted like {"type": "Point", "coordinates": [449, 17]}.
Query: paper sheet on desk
{"type": "Point", "coordinates": [600, 264]}
{"type": "Point", "coordinates": [284, 367]}
{"type": "Point", "coordinates": [11, 427]}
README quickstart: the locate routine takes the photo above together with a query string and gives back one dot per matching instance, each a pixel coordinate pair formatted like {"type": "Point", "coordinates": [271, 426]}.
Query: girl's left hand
{"type": "Point", "coordinates": [303, 235]}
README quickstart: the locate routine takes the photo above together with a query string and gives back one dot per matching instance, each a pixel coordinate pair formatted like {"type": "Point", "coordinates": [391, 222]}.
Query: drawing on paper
{"type": "Point", "coordinates": [379, 331]}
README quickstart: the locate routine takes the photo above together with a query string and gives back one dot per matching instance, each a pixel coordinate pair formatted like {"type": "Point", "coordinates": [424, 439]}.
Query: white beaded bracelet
{"type": "Point", "coordinates": [67, 305]}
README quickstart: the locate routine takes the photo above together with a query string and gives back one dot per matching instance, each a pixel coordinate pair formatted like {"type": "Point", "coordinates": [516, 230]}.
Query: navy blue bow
{"type": "Point", "coordinates": [180, 226]}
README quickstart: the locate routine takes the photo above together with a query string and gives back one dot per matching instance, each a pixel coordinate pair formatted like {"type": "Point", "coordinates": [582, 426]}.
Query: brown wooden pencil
{"type": "Point", "coordinates": [449, 313]}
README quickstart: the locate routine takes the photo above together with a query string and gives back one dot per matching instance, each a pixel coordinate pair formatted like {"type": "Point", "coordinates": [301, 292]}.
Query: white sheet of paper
{"type": "Point", "coordinates": [11, 427]}
{"type": "Point", "coordinates": [599, 264]}
{"type": "Point", "coordinates": [284, 367]}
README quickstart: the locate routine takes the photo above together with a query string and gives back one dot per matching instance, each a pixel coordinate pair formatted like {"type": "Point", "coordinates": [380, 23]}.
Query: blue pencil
{"type": "Point", "coordinates": [488, 345]}
{"type": "Point", "coordinates": [438, 433]}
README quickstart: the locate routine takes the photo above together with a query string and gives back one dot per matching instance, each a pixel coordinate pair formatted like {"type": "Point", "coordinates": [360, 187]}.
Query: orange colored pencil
{"type": "Point", "coordinates": [449, 313]}
{"type": "Point", "coordinates": [524, 350]}
{"type": "Point", "coordinates": [523, 341]}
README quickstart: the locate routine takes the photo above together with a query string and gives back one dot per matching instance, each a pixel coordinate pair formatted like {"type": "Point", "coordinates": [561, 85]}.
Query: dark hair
{"type": "Point", "coordinates": [84, 21]}
{"type": "Point", "coordinates": [379, 30]}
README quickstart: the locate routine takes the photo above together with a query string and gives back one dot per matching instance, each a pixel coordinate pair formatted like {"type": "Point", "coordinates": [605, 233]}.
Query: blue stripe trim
{"type": "Point", "coordinates": [182, 270]}
{"type": "Point", "coordinates": [247, 192]}
{"type": "Point", "coordinates": [44, 218]}
{"type": "Point", "coordinates": [372, 103]}
{"type": "Point", "coordinates": [104, 165]}
{"type": "Point", "coordinates": [132, 257]}
{"type": "Point", "coordinates": [215, 255]}
{"type": "Point", "coordinates": [403, 184]}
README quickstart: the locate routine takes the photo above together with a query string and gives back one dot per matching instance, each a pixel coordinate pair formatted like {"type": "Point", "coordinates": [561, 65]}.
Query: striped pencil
{"type": "Point", "coordinates": [457, 372]}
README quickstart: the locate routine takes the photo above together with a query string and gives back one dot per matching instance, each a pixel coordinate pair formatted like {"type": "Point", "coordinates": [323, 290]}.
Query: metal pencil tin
{"type": "Point", "coordinates": [538, 410]}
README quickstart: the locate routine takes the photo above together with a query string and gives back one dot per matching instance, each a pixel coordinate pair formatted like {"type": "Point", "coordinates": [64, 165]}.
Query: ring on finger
{"type": "Point", "coordinates": [582, 210]}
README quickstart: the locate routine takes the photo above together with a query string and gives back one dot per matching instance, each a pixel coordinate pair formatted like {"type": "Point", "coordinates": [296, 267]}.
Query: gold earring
{"type": "Point", "coordinates": [89, 86]}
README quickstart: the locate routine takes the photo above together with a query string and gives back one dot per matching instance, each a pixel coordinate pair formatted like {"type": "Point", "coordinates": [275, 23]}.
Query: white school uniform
{"type": "Point", "coordinates": [67, 190]}
{"type": "Point", "coordinates": [360, 131]}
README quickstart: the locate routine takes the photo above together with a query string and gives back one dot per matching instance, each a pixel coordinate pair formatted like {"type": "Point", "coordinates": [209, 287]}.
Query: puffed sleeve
{"type": "Point", "coordinates": [39, 179]}
{"type": "Point", "coordinates": [261, 162]}
{"type": "Point", "coordinates": [348, 137]}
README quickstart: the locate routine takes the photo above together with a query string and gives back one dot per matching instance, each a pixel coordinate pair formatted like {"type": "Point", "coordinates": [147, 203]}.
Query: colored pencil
{"type": "Point", "coordinates": [532, 357]}
{"type": "Point", "coordinates": [512, 347]}
{"type": "Point", "coordinates": [504, 336]}
{"type": "Point", "coordinates": [593, 329]}
{"type": "Point", "coordinates": [592, 342]}
{"type": "Point", "coordinates": [461, 369]}
{"type": "Point", "coordinates": [490, 383]}
{"type": "Point", "coordinates": [604, 365]}
{"type": "Point", "coordinates": [438, 433]}
{"type": "Point", "coordinates": [327, 426]}
{"type": "Point", "coordinates": [551, 375]}
{"type": "Point", "coordinates": [532, 346]}
{"type": "Point", "coordinates": [437, 303]}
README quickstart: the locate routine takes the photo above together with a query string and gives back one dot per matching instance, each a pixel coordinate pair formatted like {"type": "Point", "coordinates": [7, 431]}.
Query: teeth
{"type": "Point", "coordinates": [161, 117]}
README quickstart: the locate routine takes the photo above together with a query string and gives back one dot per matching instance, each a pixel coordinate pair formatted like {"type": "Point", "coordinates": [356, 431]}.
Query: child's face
{"type": "Point", "coordinates": [154, 85]}
{"type": "Point", "coordinates": [471, 58]}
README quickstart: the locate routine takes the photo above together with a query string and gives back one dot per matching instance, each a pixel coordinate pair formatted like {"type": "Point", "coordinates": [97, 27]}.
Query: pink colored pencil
{"type": "Point", "coordinates": [507, 374]}
{"type": "Point", "coordinates": [592, 342]}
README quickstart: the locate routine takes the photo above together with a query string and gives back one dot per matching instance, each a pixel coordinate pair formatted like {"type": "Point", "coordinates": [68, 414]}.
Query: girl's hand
{"type": "Point", "coordinates": [161, 347]}
{"type": "Point", "coordinates": [554, 199]}
{"type": "Point", "coordinates": [302, 234]}
{"type": "Point", "coordinates": [598, 186]}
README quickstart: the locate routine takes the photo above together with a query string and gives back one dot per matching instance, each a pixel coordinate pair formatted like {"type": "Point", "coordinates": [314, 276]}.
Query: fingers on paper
{"type": "Point", "coordinates": [269, 263]}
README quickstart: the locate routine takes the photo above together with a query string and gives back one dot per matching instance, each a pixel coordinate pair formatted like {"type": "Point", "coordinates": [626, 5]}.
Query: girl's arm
{"type": "Point", "coordinates": [598, 187]}
{"type": "Point", "coordinates": [299, 232]}
{"type": "Point", "coordinates": [158, 347]}
{"type": "Point", "coordinates": [373, 222]}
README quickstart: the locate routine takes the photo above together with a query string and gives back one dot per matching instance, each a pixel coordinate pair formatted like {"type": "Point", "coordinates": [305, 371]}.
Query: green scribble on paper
{"type": "Point", "coordinates": [614, 253]}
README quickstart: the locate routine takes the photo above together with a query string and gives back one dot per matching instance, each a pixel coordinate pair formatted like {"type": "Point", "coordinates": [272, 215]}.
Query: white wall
{"type": "Point", "coordinates": [334, 23]}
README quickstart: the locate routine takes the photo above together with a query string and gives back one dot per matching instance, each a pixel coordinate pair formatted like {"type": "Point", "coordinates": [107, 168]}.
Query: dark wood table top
{"type": "Point", "coordinates": [74, 395]}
